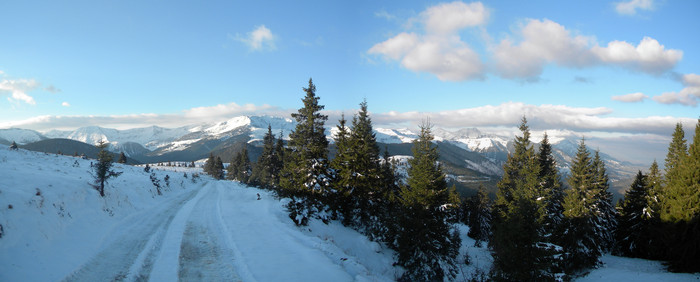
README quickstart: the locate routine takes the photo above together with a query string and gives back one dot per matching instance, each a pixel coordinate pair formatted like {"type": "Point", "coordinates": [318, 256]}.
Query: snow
{"type": "Point", "coordinates": [57, 227]}
{"type": "Point", "coordinates": [20, 136]}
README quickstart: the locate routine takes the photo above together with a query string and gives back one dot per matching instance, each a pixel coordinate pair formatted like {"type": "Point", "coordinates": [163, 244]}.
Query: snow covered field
{"type": "Point", "coordinates": [56, 227]}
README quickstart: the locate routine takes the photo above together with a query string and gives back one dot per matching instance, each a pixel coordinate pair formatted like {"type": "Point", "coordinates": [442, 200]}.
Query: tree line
{"type": "Point", "coordinates": [539, 227]}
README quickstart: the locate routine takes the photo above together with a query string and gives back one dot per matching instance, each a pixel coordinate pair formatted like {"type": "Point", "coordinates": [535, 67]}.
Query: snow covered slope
{"type": "Point", "coordinates": [20, 136]}
{"type": "Point", "coordinates": [57, 227]}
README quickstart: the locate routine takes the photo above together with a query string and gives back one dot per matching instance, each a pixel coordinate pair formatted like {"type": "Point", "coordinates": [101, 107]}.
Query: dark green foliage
{"type": "Point", "coordinates": [306, 173]}
{"type": "Point", "coordinates": [552, 191]}
{"type": "Point", "coordinates": [122, 158]}
{"type": "Point", "coordinates": [519, 243]}
{"type": "Point", "coordinates": [479, 212]}
{"type": "Point", "coordinates": [102, 170]}
{"type": "Point", "coordinates": [589, 217]}
{"type": "Point", "coordinates": [424, 243]}
{"type": "Point", "coordinates": [267, 169]}
{"type": "Point", "coordinates": [634, 233]}
{"type": "Point", "coordinates": [606, 218]}
{"type": "Point", "coordinates": [680, 202]}
{"type": "Point", "coordinates": [214, 167]}
{"type": "Point", "coordinates": [343, 174]}
{"type": "Point", "coordinates": [239, 168]}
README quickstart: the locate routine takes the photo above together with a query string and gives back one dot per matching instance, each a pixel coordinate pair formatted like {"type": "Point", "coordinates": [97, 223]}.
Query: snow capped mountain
{"type": "Point", "coordinates": [393, 136]}
{"type": "Point", "coordinates": [151, 137]}
{"type": "Point", "coordinates": [20, 136]}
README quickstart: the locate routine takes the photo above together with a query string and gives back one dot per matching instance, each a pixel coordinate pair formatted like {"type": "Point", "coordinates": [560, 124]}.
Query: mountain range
{"type": "Point", "coordinates": [470, 157]}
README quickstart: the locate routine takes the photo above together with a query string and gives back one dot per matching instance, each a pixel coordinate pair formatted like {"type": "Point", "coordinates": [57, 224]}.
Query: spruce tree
{"type": "Point", "coordinates": [681, 205]}
{"type": "Point", "coordinates": [306, 174]}
{"type": "Point", "coordinates": [424, 243]}
{"type": "Point", "coordinates": [552, 191]}
{"type": "Point", "coordinates": [605, 210]}
{"type": "Point", "coordinates": [243, 165]}
{"type": "Point", "coordinates": [518, 241]}
{"type": "Point", "coordinates": [264, 171]}
{"type": "Point", "coordinates": [122, 158]}
{"type": "Point", "coordinates": [218, 171]}
{"type": "Point", "coordinates": [366, 166]}
{"type": "Point", "coordinates": [633, 236]}
{"type": "Point", "coordinates": [102, 170]}
{"type": "Point", "coordinates": [209, 165]}
{"type": "Point", "coordinates": [479, 217]}
{"type": "Point", "coordinates": [343, 174]}
{"type": "Point", "coordinates": [588, 213]}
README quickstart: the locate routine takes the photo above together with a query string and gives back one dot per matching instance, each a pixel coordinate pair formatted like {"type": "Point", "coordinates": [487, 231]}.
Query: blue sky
{"type": "Point", "coordinates": [606, 68]}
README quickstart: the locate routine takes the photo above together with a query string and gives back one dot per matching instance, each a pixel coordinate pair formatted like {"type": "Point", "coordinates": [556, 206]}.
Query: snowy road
{"type": "Point", "coordinates": [220, 232]}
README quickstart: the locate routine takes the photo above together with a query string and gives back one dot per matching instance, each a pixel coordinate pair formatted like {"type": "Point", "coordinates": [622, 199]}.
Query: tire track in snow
{"type": "Point", "coordinates": [205, 251]}
{"type": "Point", "coordinates": [128, 254]}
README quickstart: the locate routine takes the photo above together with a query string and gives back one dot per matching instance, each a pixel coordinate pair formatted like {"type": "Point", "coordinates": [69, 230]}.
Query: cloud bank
{"type": "Point", "coordinates": [438, 49]}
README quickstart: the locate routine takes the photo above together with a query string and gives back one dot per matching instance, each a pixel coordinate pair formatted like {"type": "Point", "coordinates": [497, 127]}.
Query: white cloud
{"type": "Point", "coordinates": [18, 89]}
{"type": "Point", "coordinates": [260, 38]}
{"type": "Point", "coordinates": [648, 56]}
{"type": "Point", "coordinates": [439, 50]}
{"type": "Point", "coordinates": [449, 18]}
{"type": "Point", "coordinates": [65, 104]}
{"type": "Point", "coordinates": [631, 7]}
{"type": "Point", "coordinates": [630, 98]}
{"type": "Point", "coordinates": [545, 41]}
{"type": "Point", "coordinates": [689, 95]}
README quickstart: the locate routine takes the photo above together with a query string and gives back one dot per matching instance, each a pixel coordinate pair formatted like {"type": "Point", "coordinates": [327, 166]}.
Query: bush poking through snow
{"type": "Point", "coordinates": [103, 168]}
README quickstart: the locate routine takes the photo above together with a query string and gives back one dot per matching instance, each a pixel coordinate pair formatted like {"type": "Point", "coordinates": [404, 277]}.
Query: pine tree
{"type": "Point", "coordinates": [366, 168]}
{"type": "Point", "coordinates": [479, 217]}
{"type": "Point", "coordinates": [209, 165]}
{"type": "Point", "coordinates": [264, 172]}
{"type": "Point", "coordinates": [243, 164]}
{"type": "Point", "coordinates": [518, 241]}
{"type": "Point", "coordinates": [122, 158]}
{"type": "Point", "coordinates": [218, 171]}
{"type": "Point", "coordinates": [343, 174]}
{"type": "Point", "coordinates": [552, 191]}
{"type": "Point", "coordinates": [102, 170]}
{"type": "Point", "coordinates": [633, 237]}
{"type": "Point", "coordinates": [424, 243]}
{"type": "Point", "coordinates": [306, 170]}
{"type": "Point", "coordinates": [605, 210]}
{"type": "Point", "coordinates": [589, 217]}
{"type": "Point", "coordinates": [681, 204]}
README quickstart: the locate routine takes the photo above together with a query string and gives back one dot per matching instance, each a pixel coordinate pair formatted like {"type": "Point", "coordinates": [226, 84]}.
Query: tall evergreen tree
{"type": "Point", "coordinates": [102, 170]}
{"type": "Point", "coordinates": [518, 237]}
{"type": "Point", "coordinates": [306, 174]}
{"type": "Point", "coordinates": [218, 171]}
{"type": "Point", "coordinates": [552, 191]}
{"type": "Point", "coordinates": [209, 165]}
{"type": "Point", "coordinates": [605, 210]}
{"type": "Point", "coordinates": [243, 164]}
{"type": "Point", "coordinates": [343, 174]}
{"type": "Point", "coordinates": [424, 244]}
{"type": "Point", "coordinates": [265, 169]}
{"type": "Point", "coordinates": [479, 217]}
{"type": "Point", "coordinates": [633, 237]}
{"type": "Point", "coordinates": [681, 204]}
{"type": "Point", "coordinates": [588, 219]}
